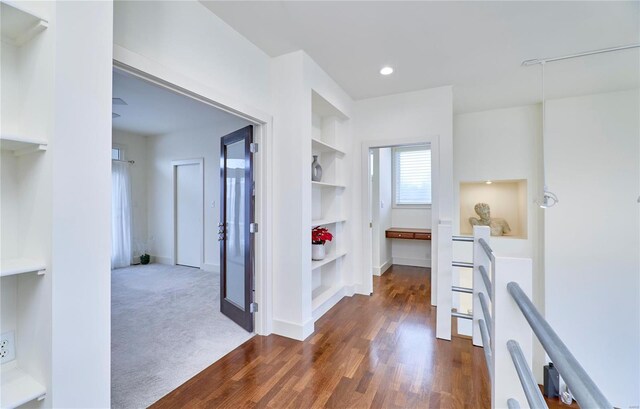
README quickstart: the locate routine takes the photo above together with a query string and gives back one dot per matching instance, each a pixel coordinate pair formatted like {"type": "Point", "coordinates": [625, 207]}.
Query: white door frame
{"type": "Point", "coordinates": [174, 173]}
{"type": "Point", "coordinates": [131, 63]}
{"type": "Point", "coordinates": [433, 142]}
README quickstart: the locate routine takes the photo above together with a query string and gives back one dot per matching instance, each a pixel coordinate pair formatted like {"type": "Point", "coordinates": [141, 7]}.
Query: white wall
{"type": "Point", "coordinates": [188, 38]}
{"type": "Point", "coordinates": [376, 240]}
{"type": "Point", "coordinates": [502, 144]}
{"type": "Point", "coordinates": [187, 144]}
{"type": "Point", "coordinates": [592, 243]}
{"type": "Point", "coordinates": [385, 212]}
{"type": "Point", "coordinates": [411, 252]}
{"type": "Point", "coordinates": [289, 286]}
{"type": "Point", "coordinates": [81, 206]}
{"type": "Point", "coordinates": [294, 76]}
{"type": "Point", "coordinates": [420, 114]}
{"type": "Point", "coordinates": [381, 210]}
{"type": "Point", "coordinates": [134, 147]}
{"type": "Point", "coordinates": [394, 251]}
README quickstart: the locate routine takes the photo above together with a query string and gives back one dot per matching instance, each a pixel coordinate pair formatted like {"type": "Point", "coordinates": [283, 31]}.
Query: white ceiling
{"type": "Point", "coordinates": [154, 110]}
{"type": "Point", "coordinates": [475, 46]}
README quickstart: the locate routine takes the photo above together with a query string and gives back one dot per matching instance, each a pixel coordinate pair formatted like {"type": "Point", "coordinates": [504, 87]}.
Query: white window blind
{"type": "Point", "coordinates": [412, 175]}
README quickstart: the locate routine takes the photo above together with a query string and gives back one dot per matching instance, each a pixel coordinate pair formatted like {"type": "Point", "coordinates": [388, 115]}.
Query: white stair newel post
{"type": "Point", "coordinates": [480, 258]}
{"type": "Point", "coordinates": [444, 281]}
{"type": "Point", "coordinates": [509, 323]}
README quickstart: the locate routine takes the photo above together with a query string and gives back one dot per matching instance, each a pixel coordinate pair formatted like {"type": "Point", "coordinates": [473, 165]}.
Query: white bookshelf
{"type": "Point", "coordinates": [327, 221]}
{"type": "Point", "coordinates": [328, 184]}
{"type": "Point", "coordinates": [18, 387]}
{"type": "Point", "coordinates": [330, 258]}
{"type": "Point", "coordinates": [19, 24]}
{"type": "Point", "coordinates": [14, 266]}
{"type": "Point", "coordinates": [322, 147]}
{"type": "Point", "coordinates": [27, 100]}
{"type": "Point", "coordinates": [328, 203]}
{"type": "Point", "coordinates": [21, 146]}
{"type": "Point", "coordinates": [323, 294]}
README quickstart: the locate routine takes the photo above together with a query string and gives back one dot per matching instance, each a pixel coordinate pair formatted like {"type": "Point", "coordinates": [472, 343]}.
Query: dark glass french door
{"type": "Point", "coordinates": [235, 228]}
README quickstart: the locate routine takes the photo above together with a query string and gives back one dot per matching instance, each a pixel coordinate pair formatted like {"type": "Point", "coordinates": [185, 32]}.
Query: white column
{"type": "Point", "coordinates": [444, 281]}
{"type": "Point", "coordinates": [81, 210]}
{"type": "Point", "coordinates": [480, 258]}
{"type": "Point", "coordinates": [509, 323]}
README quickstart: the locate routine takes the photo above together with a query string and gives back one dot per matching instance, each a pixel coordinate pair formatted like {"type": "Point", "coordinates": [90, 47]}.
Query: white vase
{"type": "Point", "coordinates": [317, 252]}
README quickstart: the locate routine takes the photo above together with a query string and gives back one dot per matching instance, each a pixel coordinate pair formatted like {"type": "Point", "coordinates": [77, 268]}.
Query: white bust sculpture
{"type": "Point", "coordinates": [499, 227]}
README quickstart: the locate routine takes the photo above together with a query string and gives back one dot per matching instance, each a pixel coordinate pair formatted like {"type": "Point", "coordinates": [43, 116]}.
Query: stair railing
{"type": "Point", "coordinates": [505, 329]}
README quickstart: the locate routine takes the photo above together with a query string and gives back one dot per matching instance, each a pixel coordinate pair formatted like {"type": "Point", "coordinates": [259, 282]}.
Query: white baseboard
{"type": "Point", "coordinates": [382, 269]}
{"type": "Point", "coordinates": [292, 330]}
{"type": "Point", "coordinates": [416, 262]}
{"type": "Point", "coordinates": [212, 268]}
{"type": "Point", "coordinates": [328, 304]}
{"type": "Point", "coordinates": [349, 290]}
{"type": "Point", "coordinates": [162, 260]}
{"type": "Point", "coordinates": [361, 289]}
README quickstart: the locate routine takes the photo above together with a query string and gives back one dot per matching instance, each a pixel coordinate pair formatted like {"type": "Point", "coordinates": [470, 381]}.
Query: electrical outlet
{"type": "Point", "coordinates": [7, 347]}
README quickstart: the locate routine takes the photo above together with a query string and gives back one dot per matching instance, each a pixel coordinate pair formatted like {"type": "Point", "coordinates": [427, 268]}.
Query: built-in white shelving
{"type": "Point", "coordinates": [329, 259]}
{"type": "Point", "coordinates": [27, 63]}
{"type": "Point", "coordinates": [329, 203]}
{"type": "Point", "coordinates": [322, 294]}
{"type": "Point", "coordinates": [19, 25]}
{"type": "Point", "coordinates": [18, 388]}
{"type": "Point", "coordinates": [321, 147]}
{"type": "Point", "coordinates": [324, 222]}
{"type": "Point", "coordinates": [9, 267]}
{"type": "Point", "coordinates": [21, 146]}
{"type": "Point", "coordinates": [327, 184]}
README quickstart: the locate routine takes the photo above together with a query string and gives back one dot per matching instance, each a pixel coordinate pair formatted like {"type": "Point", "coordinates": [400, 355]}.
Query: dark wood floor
{"type": "Point", "coordinates": [366, 352]}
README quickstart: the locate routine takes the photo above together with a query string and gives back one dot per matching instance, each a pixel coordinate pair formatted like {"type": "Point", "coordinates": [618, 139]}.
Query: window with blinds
{"type": "Point", "coordinates": [412, 176]}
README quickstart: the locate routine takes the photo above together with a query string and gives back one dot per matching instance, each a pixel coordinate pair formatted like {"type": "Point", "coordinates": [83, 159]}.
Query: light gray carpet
{"type": "Point", "coordinates": [166, 326]}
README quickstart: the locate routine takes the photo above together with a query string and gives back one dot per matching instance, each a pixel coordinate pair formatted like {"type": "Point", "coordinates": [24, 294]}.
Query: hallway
{"type": "Point", "coordinates": [377, 351]}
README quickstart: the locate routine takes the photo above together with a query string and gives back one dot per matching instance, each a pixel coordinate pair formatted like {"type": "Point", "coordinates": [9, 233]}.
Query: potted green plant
{"type": "Point", "coordinates": [143, 250]}
{"type": "Point", "coordinates": [319, 236]}
{"type": "Point", "coordinates": [145, 258]}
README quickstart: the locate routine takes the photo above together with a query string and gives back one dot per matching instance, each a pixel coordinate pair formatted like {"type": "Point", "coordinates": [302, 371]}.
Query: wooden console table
{"type": "Point", "coordinates": [408, 233]}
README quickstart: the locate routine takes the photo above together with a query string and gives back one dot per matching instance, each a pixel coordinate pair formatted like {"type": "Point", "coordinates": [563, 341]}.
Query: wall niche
{"type": "Point", "coordinates": [506, 198]}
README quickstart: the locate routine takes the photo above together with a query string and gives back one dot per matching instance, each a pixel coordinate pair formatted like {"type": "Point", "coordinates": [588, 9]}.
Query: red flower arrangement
{"type": "Point", "coordinates": [320, 235]}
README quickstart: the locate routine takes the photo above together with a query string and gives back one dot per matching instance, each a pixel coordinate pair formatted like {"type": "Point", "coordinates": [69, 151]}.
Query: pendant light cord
{"type": "Point", "coordinates": [544, 132]}
{"type": "Point", "coordinates": [549, 199]}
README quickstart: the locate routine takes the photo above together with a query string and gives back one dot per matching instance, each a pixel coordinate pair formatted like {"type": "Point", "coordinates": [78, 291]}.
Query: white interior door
{"type": "Point", "coordinates": [189, 223]}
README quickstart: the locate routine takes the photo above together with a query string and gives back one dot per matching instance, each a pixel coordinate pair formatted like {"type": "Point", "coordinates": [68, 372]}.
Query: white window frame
{"type": "Point", "coordinates": [395, 205]}
{"type": "Point", "coordinates": [121, 149]}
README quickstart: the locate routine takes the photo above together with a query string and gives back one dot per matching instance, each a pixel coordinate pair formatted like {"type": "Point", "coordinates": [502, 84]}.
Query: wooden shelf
{"type": "Point", "coordinates": [324, 222]}
{"type": "Point", "coordinates": [321, 294]}
{"type": "Point", "coordinates": [19, 388]}
{"type": "Point", "coordinates": [15, 266]}
{"type": "Point", "coordinates": [325, 184]}
{"type": "Point", "coordinates": [319, 146]}
{"type": "Point", "coordinates": [330, 258]}
{"type": "Point", "coordinates": [20, 25]}
{"type": "Point", "coordinates": [21, 146]}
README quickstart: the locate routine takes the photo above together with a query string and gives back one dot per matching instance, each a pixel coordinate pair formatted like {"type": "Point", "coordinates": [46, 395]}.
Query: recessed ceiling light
{"type": "Point", "coordinates": [386, 70]}
{"type": "Point", "coordinates": [488, 182]}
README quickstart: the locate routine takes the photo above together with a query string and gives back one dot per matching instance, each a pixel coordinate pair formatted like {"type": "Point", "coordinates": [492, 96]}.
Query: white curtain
{"type": "Point", "coordinates": [120, 215]}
